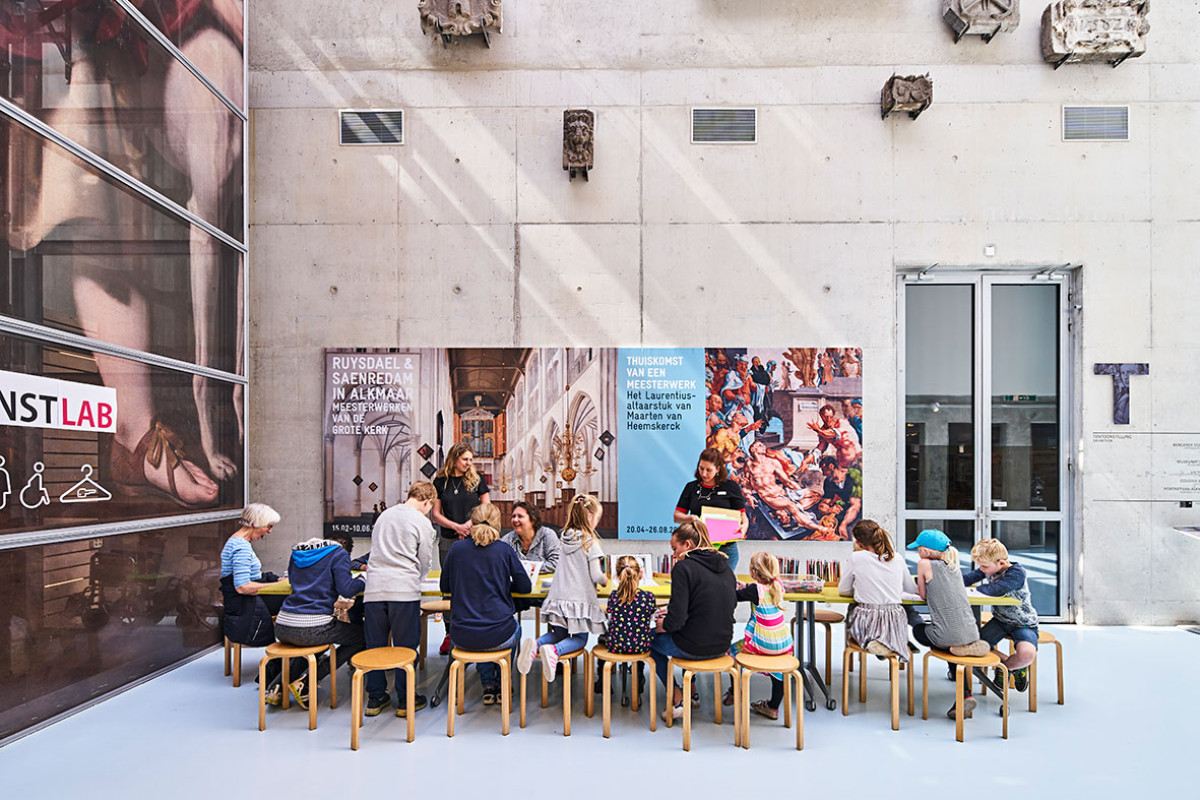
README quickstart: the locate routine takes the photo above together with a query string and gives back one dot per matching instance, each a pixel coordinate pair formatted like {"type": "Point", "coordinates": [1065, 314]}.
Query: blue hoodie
{"type": "Point", "coordinates": [319, 571]}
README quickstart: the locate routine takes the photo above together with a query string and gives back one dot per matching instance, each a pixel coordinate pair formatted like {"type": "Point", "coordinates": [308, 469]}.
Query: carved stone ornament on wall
{"type": "Point", "coordinates": [983, 18]}
{"type": "Point", "coordinates": [450, 18]}
{"type": "Point", "coordinates": [1080, 31]}
{"type": "Point", "coordinates": [910, 93]}
{"type": "Point", "coordinates": [579, 134]}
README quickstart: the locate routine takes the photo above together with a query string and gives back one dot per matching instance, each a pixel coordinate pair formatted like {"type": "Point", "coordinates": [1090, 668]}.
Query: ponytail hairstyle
{"type": "Point", "coordinates": [764, 568]}
{"type": "Point", "coordinates": [485, 524]}
{"type": "Point", "coordinates": [871, 535]}
{"type": "Point", "coordinates": [470, 479]}
{"type": "Point", "coordinates": [695, 532]}
{"type": "Point", "coordinates": [579, 517]}
{"type": "Point", "coordinates": [629, 575]}
{"type": "Point", "coordinates": [950, 556]}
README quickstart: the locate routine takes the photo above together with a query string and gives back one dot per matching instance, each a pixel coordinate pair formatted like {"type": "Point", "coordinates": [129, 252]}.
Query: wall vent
{"type": "Point", "coordinates": [371, 126]}
{"type": "Point", "coordinates": [1095, 124]}
{"type": "Point", "coordinates": [724, 126]}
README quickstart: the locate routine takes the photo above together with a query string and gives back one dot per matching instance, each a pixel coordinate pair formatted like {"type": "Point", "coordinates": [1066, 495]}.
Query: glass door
{"type": "Point", "coordinates": [984, 427]}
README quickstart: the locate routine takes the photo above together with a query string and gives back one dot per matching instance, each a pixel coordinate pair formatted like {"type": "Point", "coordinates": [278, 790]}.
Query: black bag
{"type": "Point", "coordinates": [247, 618]}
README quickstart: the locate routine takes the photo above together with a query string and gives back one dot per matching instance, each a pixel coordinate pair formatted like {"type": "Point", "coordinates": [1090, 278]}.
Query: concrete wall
{"type": "Point", "coordinates": [471, 234]}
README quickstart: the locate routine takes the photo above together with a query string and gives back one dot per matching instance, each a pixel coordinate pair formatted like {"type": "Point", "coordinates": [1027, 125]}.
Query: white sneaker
{"type": "Point", "coordinates": [675, 713]}
{"type": "Point", "coordinates": [549, 662]}
{"type": "Point", "coordinates": [525, 656]}
{"type": "Point", "coordinates": [878, 648]}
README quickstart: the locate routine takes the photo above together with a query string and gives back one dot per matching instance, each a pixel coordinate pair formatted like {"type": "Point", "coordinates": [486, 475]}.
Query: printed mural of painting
{"type": "Point", "coordinates": [789, 424]}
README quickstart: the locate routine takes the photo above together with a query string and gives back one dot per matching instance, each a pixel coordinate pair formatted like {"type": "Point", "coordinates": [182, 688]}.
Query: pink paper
{"type": "Point", "coordinates": [722, 530]}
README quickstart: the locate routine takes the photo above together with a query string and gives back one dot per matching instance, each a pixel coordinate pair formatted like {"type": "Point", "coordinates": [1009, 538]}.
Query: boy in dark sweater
{"type": "Point", "coordinates": [1004, 578]}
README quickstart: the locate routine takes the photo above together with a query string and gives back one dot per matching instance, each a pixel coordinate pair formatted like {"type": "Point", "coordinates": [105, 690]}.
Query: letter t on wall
{"type": "Point", "coordinates": [1120, 380]}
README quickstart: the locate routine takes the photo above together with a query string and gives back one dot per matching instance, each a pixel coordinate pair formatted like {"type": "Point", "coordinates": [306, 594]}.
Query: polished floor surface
{"type": "Point", "coordinates": [1126, 726]}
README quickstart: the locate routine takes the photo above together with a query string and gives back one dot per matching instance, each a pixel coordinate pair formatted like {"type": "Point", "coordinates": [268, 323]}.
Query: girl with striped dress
{"type": "Point", "coordinates": [767, 632]}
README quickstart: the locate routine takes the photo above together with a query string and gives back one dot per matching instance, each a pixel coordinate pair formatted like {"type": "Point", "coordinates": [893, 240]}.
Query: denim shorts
{"type": "Point", "coordinates": [994, 630]}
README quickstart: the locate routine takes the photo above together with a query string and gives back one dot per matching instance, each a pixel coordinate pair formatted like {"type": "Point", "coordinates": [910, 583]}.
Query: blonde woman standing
{"type": "Point", "coordinates": [459, 490]}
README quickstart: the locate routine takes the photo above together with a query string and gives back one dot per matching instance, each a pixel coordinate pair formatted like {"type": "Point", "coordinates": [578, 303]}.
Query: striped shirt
{"type": "Point", "coordinates": [238, 559]}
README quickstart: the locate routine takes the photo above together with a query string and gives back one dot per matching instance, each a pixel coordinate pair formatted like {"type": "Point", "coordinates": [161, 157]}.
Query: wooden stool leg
{"type": "Point", "coordinates": [228, 654]}
{"type": "Point", "coordinates": [912, 667]}
{"type": "Point", "coordinates": [566, 698]}
{"type": "Point", "coordinates": [635, 700]}
{"type": "Point", "coordinates": [286, 677]}
{"type": "Point", "coordinates": [332, 676]}
{"type": "Point", "coordinates": [545, 690]}
{"type": "Point", "coordinates": [1061, 696]}
{"type": "Point", "coordinates": [743, 711]}
{"type": "Point", "coordinates": [523, 677]}
{"type": "Point", "coordinates": [452, 699]}
{"type": "Point", "coordinates": [356, 693]}
{"type": "Point", "coordinates": [589, 678]}
{"type": "Point", "coordinates": [738, 730]}
{"type": "Point", "coordinates": [687, 710]}
{"type": "Point", "coordinates": [925, 687]}
{"type": "Point", "coordinates": [862, 677]}
{"type": "Point", "coordinates": [716, 676]}
{"type": "Point", "coordinates": [669, 702]}
{"type": "Point", "coordinates": [958, 701]}
{"type": "Point", "coordinates": [787, 702]}
{"type": "Point", "coordinates": [653, 681]}
{"type": "Point", "coordinates": [462, 686]}
{"type": "Point", "coordinates": [1033, 686]}
{"type": "Point", "coordinates": [1004, 700]}
{"type": "Point", "coordinates": [262, 693]}
{"type": "Point", "coordinates": [410, 699]}
{"type": "Point", "coordinates": [847, 658]}
{"type": "Point", "coordinates": [505, 694]}
{"type": "Point", "coordinates": [606, 700]}
{"type": "Point", "coordinates": [312, 693]}
{"type": "Point", "coordinates": [799, 709]}
{"type": "Point", "coordinates": [537, 623]}
{"type": "Point", "coordinates": [237, 665]}
{"type": "Point", "coordinates": [894, 680]}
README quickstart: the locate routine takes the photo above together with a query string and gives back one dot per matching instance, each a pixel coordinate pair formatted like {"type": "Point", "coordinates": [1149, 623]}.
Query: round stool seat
{"type": "Point", "coordinates": [580, 653]}
{"type": "Point", "coordinates": [718, 664]}
{"type": "Point", "coordinates": [281, 650]}
{"type": "Point", "coordinates": [604, 654]}
{"type": "Point", "coordinates": [383, 658]}
{"type": "Point", "coordinates": [827, 616]}
{"type": "Point", "coordinates": [760, 663]}
{"type": "Point", "coordinates": [435, 606]}
{"type": "Point", "coordinates": [1045, 637]}
{"type": "Point", "coordinates": [989, 660]}
{"type": "Point", "coordinates": [478, 656]}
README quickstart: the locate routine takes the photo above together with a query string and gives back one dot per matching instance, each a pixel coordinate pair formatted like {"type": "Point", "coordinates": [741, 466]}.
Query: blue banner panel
{"type": "Point", "coordinates": [660, 396]}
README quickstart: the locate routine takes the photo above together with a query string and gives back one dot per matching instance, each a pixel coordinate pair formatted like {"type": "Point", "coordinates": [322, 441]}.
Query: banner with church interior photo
{"type": "Point", "coordinates": [624, 424]}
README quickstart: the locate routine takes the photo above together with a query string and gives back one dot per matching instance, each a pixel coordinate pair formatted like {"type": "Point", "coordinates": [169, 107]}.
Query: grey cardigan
{"type": "Point", "coordinates": [544, 547]}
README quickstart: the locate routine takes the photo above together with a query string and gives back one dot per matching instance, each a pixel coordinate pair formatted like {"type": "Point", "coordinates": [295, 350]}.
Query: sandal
{"type": "Point", "coordinates": [489, 697]}
{"type": "Point", "coordinates": [156, 445]}
{"type": "Point", "coordinates": [762, 707]}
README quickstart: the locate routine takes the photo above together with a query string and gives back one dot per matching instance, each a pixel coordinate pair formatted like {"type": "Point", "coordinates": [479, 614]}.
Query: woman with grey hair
{"type": "Point", "coordinates": [248, 615]}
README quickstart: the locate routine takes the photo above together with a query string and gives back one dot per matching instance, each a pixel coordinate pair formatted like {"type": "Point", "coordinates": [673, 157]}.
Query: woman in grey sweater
{"type": "Point", "coordinates": [532, 540]}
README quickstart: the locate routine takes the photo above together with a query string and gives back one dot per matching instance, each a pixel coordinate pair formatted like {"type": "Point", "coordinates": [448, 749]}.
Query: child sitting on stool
{"type": "Point", "coordinates": [1004, 578]}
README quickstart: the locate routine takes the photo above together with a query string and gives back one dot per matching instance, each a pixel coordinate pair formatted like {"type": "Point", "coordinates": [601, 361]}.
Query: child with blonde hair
{"type": "Point", "coordinates": [630, 613]}
{"type": "Point", "coordinates": [1004, 578]}
{"type": "Point", "coordinates": [767, 632]}
{"type": "Point", "coordinates": [876, 579]}
{"type": "Point", "coordinates": [572, 610]}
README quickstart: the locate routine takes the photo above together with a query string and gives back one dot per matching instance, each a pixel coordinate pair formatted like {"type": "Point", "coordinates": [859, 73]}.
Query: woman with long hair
{"type": "Point", "coordinates": [714, 488]}
{"type": "Point", "coordinates": [460, 488]}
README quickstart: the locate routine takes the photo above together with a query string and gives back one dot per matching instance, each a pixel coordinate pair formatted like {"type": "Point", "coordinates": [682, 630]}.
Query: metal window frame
{"type": "Point", "coordinates": [692, 123]}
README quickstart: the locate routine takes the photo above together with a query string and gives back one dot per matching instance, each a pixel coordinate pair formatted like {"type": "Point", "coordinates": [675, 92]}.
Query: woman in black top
{"type": "Point", "coordinates": [459, 489]}
{"type": "Point", "coordinates": [712, 487]}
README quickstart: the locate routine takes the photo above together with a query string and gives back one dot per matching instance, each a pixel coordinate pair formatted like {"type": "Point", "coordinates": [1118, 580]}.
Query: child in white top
{"type": "Point", "coordinates": [876, 579]}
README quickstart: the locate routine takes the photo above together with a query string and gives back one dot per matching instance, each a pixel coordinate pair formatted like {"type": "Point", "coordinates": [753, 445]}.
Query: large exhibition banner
{"type": "Point", "coordinates": [626, 425]}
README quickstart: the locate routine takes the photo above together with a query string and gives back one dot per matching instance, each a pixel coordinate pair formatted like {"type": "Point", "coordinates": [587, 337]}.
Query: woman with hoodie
{"type": "Point", "coordinates": [699, 620]}
{"type": "Point", "coordinates": [319, 570]}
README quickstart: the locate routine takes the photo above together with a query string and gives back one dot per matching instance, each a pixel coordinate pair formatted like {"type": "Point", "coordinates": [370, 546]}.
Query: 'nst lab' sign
{"type": "Point", "coordinates": [30, 401]}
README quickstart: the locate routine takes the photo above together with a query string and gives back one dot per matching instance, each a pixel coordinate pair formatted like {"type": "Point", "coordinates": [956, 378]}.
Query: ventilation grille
{"type": "Point", "coordinates": [371, 127]}
{"type": "Point", "coordinates": [1095, 123]}
{"type": "Point", "coordinates": [724, 126]}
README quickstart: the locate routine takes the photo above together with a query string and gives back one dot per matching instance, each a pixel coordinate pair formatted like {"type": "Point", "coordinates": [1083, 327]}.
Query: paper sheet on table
{"type": "Point", "coordinates": [722, 524]}
{"type": "Point", "coordinates": [532, 569]}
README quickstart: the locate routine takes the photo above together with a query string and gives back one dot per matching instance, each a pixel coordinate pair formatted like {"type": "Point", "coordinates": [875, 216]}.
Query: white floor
{"type": "Point", "coordinates": [1130, 723]}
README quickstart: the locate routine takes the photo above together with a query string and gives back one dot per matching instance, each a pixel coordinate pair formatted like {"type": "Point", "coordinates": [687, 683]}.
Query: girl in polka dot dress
{"type": "Point", "coordinates": [630, 612]}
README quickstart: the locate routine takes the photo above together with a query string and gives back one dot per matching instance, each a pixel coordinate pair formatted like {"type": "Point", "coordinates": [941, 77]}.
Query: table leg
{"type": "Point", "coordinates": [806, 635]}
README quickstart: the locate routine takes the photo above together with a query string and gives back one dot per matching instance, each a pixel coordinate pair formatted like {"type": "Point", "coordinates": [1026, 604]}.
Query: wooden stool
{"type": "Point", "coordinates": [566, 660]}
{"type": "Point", "coordinates": [827, 619]}
{"type": "Point", "coordinates": [790, 667]}
{"type": "Point", "coordinates": [716, 667]}
{"type": "Point", "coordinates": [1044, 637]}
{"type": "Point", "coordinates": [458, 682]}
{"type": "Point", "coordinates": [970, 662]}
{"type": "Point", "coordinates": [381, 658]}
{"type": "Point", "coordinates": [894, 666]}
{"type": "Point", "coordinates": [428, 609]}
{"type": "Point", "coordinates": [602, 654]}
{"type": "Point", "coordinates": [234, 649]}
{"type": "Point", "coordinates": [286, 652]}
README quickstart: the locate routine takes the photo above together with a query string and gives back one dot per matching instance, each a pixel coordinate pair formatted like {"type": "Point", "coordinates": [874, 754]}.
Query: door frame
{"type": "Point", "coordinates": [982, 279]}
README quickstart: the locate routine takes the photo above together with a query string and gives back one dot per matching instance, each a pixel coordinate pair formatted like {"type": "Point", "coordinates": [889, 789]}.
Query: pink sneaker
{"type": "Point", "coordinates": [549, 661]}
